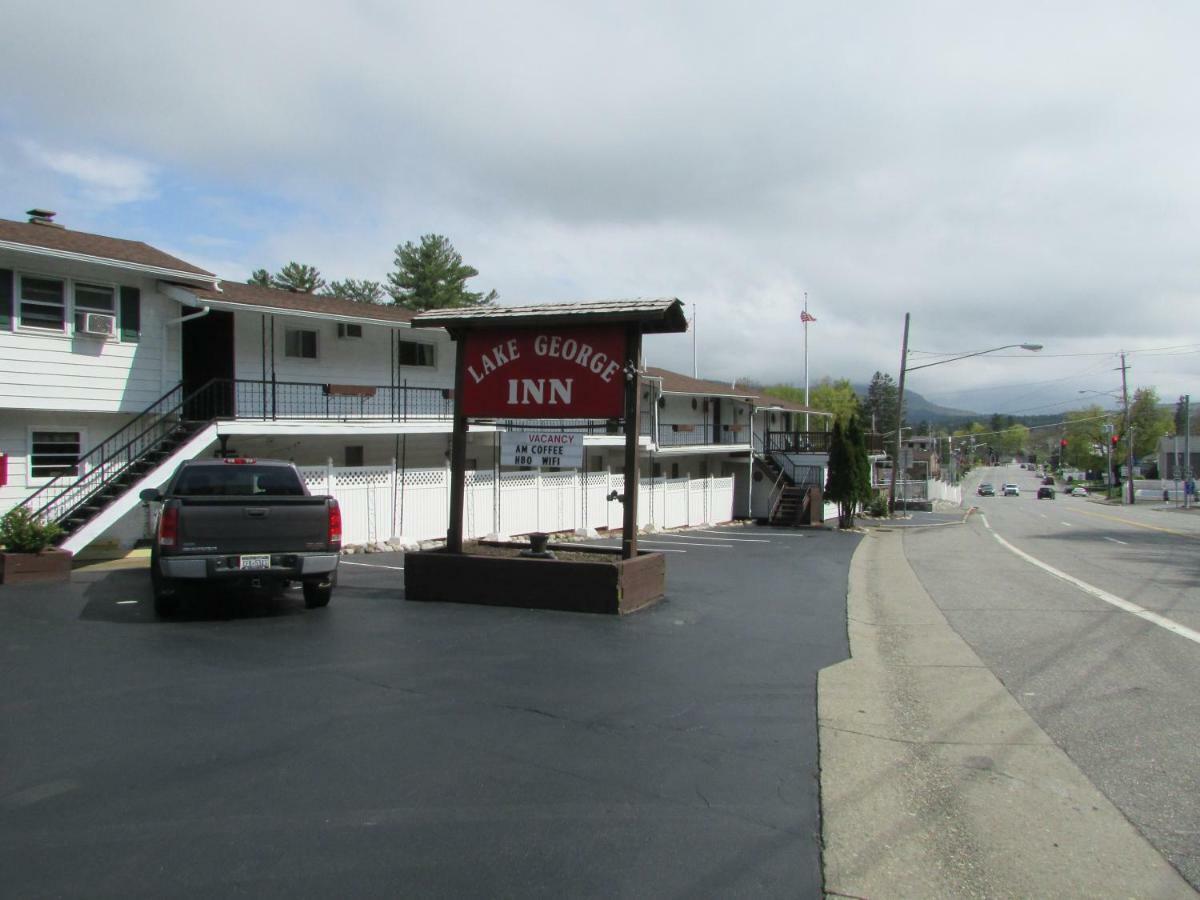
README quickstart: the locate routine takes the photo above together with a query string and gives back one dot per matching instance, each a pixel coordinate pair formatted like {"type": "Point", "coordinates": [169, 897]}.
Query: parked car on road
{"type": "Point", "coordinates": [242, 522]}
{"type": "Point", "coordinates": [1045, 493]}
{"type": "Point", "coordinates": [1012, 490]}
{"type": "Point", "coordinates": [1079, 492]}
{"type": "Point", "coordinates": [1049, 479]}
{"type": "Point", "coordinates": [986, 490]}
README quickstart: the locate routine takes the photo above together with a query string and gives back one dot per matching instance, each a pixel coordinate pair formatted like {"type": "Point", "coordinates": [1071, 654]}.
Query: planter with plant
{"type": "Point", "coordinates": [28, 554]}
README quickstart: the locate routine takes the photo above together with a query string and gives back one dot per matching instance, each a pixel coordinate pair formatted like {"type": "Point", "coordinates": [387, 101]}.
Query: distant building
{"type": "Point", "coordinates": [1172, 464]}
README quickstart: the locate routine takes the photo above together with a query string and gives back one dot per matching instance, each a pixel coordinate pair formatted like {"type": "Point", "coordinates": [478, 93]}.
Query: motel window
{"type": "Point", "coordinates": [43, 303]}
{"type": "Point", "coordinates": [415, 353]}
{"type": "Point", "coordinates": [300, 343]}
{"type": "Point", "coordinates": [674, 470]}
{"type": "Point", "coordinates": [53, 453]}
{"type": "Point", "coordinates": [93, 298]}
{"type": "Point", "coordinates": [349, 330]}
{"type": "Point", "coordinates": [355, 456]}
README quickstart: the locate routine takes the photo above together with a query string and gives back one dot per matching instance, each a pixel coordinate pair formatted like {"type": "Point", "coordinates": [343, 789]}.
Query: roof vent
{"type": "Point", "coordinates": [42, 217]}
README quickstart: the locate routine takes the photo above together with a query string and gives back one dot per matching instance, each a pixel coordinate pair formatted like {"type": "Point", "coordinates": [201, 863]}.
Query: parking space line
{"type": "Point", "coordinates": [611, 546]}
{"type": "Point", "coordinates": [1115, 541]}
{"type": "Point", "coordinates": [1068, 524]}
{"type": "Point", "coordinates": [372, 565]}
{"type": "Point", "coordinates": [723, 534]}
{"type": "Point", "coordinates": [688, 544]}
{"type": "Point", "coordinates": [687, 539]}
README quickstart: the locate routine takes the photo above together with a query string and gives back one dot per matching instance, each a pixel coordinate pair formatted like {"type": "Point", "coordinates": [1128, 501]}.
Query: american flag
{"type": "Point", "coordinates": [806, 317]}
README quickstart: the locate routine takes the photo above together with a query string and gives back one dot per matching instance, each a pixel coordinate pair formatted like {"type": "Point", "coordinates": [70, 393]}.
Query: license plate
{"type": "Point", "coordinates": [255, 562]}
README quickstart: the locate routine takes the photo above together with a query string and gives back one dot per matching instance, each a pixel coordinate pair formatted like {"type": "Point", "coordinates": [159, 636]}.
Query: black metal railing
{"type": "Point", "coordinates": [579, 426]}
{"type": "Point", "coordinates": [812, 442]}
{"type": "Point", "coordinates": [691, 434]}
{"type": "Point", "coordinates": [272, 400]}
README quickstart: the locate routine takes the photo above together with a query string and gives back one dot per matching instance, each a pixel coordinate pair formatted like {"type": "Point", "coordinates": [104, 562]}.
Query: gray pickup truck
{"type": "Point", "coordinates": [242, 522]}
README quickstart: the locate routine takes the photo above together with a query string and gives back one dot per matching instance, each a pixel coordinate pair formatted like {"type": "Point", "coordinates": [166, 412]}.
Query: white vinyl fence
{"type": "Point", "coordinates": [943, 490]}
{"type": "Point", "coordinates": [379, 502]}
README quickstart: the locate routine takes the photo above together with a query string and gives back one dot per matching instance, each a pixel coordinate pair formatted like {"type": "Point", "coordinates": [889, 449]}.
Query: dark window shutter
{"type": "Point", "coordinates": [131, 314]}
{"type": "Point", "coordinates": [6, 298]}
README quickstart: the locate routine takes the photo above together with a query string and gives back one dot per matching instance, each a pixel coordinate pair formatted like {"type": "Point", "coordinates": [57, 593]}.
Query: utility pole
{"type": "Point", "coordinates": [1128, 432]}
{"type": "Point", "coordinates": [1187, 446]}
{"type": "Point", "coordinates": [899, 416]}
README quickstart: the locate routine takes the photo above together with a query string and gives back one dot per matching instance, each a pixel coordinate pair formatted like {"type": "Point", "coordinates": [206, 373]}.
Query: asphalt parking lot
{"type": "Point", "coordinates": [380, 748]}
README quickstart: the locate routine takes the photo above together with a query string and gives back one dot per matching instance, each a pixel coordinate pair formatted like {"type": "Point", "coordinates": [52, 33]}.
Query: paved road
{"type": "Point", "coordinates": [1118, 692]}
{"type": "Point", "coordinates": [380, 748]}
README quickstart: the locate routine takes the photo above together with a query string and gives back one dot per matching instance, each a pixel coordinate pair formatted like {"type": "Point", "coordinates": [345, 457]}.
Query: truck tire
{"type": "Point", "coordinates": [166, 594]}
{"type": "Point", "coordinates": [317, 594]}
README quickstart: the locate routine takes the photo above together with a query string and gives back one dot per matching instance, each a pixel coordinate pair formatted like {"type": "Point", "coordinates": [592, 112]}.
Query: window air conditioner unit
{"type": "Point", "coordinates": [99, 324]}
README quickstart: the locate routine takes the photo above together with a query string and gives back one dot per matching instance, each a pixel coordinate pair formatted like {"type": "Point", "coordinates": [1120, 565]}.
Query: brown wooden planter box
{"type": "Point", "coordinates": [22, 568]}
{"type": "Point", "coordinates": [612, 587]}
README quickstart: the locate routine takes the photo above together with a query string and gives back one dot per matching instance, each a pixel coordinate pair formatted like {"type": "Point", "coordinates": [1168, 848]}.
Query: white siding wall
{"type": "Point", "coordinates": [362, 361]}
{"type": "Point", "coordinates": [15, 427]}
{"type": "Point", "coordinates": [58, 371]}
{"type": "Point", "coordinates": [676, 409]}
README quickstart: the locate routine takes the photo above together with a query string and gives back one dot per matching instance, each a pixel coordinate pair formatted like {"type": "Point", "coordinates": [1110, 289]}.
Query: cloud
{"type": "Point", "coordinates": [104, 179]}
{"type": "Point", "coordinates": [1003, 173]}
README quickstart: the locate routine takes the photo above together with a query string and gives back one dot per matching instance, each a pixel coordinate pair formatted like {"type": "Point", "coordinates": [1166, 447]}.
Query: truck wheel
{"type": "Point", "coordinates": [317, 594]}
{"type": "Point", "coordinates": [166, 595]}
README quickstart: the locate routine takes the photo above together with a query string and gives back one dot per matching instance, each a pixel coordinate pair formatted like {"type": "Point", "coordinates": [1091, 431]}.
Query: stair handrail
{"type": "Point", "coordinates": [773, 498]}
{"type": "Point", "coordinates": [97, 460]}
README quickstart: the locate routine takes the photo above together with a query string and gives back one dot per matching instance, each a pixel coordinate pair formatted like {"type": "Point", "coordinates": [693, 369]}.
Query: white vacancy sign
{"type": "Point", "coordinates": [542, 449]}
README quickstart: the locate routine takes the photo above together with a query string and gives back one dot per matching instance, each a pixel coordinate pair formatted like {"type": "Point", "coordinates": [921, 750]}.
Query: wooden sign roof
{"type": "Point", "coordinates": [657, 316]}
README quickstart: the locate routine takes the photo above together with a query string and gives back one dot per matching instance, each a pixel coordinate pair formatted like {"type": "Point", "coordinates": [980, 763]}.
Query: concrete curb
{"type": "Point", "coordinates": [936, 783]}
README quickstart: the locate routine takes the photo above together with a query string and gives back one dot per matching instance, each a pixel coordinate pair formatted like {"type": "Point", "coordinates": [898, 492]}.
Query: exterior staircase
{"type": "Point", "coordinates": [102, 485]}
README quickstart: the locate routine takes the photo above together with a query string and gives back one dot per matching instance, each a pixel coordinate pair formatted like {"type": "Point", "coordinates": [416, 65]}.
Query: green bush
{"type": "Point", "coordinates": [878, 507]}
{"type": "Point", "coordinates": [23, 532]}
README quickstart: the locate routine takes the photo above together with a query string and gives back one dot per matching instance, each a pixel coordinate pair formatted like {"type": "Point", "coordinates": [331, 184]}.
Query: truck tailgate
{"type": "Point", "coordinates": [253, 525]}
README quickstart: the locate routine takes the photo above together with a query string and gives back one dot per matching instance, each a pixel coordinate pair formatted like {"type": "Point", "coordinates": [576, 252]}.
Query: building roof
{"type": "Point", "coordinates": [110, 249]}
{"type": "Point", "coordinates": [675, 383]}
{"type": "Point", "coordinates": [662, 315]}
{"type": "Point", "coordinates": [233, 294]}
{"type": "Point", "coordinates": [769, 401]}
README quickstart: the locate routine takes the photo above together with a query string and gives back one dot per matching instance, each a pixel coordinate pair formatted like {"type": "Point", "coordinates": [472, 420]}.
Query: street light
{"type": "Point", "coordinates": [904, 368]}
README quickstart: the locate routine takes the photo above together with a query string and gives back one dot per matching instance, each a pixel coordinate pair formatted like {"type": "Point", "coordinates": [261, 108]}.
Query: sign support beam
{"type": "Point", "coordinates": [458, 456]}
{"type": "Point", "coordinates": [633, 396]}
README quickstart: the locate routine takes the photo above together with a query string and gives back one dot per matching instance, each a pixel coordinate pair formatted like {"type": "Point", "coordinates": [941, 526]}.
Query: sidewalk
{"type": "Point", "coordinates": [936, 783]}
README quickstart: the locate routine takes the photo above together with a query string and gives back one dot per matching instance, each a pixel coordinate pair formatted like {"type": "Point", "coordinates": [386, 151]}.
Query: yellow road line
{"type": "Point", "coordinates": [1185, 534]}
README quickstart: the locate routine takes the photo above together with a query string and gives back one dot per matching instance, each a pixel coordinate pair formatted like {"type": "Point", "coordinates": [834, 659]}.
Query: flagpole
{"type": "Point", "coordinates": [695, 369]}
{"type": "Point", "coordinates": [804, 318]}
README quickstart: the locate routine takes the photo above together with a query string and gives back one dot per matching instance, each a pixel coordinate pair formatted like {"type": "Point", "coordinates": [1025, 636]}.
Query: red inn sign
{"type": "Point", "coordinates": [544, 373]}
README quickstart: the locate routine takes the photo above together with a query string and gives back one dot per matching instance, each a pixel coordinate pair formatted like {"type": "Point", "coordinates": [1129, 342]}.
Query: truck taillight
{"type": "Point", "coordinates": [335, 523]}
{"type": "Point", "coordinates": [168, 526]}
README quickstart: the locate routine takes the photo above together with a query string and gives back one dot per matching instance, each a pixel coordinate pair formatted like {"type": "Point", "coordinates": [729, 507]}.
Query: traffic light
{"type": "Point", "coordinates": [1063, 443]}
{"type": "Point", "coordinates": [1116, 439]}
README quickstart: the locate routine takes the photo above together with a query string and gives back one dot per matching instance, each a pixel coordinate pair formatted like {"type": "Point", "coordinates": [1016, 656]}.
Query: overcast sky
{"type": "Point", "coordinates": [1025, 173]}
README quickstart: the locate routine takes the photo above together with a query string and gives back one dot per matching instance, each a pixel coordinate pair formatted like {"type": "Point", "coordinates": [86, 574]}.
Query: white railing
{"type": "Point", "coordinates": [379, 502]}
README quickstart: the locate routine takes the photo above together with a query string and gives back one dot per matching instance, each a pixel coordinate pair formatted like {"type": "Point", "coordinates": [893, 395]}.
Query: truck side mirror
{"type": "Point", "coordinates": [150, 495]}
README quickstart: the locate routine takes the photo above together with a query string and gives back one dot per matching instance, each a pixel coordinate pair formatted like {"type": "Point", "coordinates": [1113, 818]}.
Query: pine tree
{"type": "Point", "coordinates": [860, 464]}
{"type": "Point", "coordinates": [839, 485]}
{"type": "Point", "coordinates": [432, 275]}
{"type": "Point", "coordinates": [298, 278]}
{"type": "Point", "coordinates": [261, 277]}
{"type": "Point", "coordinates": [359, 290]}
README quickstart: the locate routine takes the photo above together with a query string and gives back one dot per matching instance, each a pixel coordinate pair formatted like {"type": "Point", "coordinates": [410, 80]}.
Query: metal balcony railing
{"type": "Point", "coordinates": [812, 442]}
